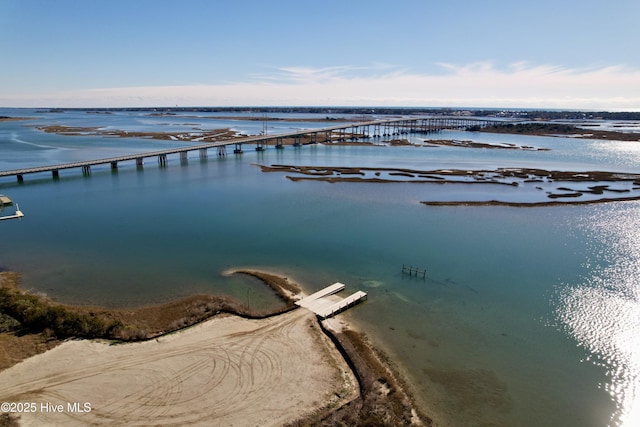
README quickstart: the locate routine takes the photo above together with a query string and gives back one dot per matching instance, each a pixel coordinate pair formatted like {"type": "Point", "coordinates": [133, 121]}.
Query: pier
{"type": "Point", "coordinates": [341, 133]}
{"type": "Point", "coordinates": [6, 201]}
{"type": "Point", "coordinates": [17, 215]}
{"type": "Point", "coordinates": [324, 306]}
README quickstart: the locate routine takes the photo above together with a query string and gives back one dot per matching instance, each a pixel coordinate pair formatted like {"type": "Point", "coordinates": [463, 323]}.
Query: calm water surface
{"type": "Point", "coordinates": [527, 317]}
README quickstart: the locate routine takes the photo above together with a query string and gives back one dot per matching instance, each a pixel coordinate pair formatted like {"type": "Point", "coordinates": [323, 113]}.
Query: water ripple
{"type": "Point", "coordinates": [603, 312]}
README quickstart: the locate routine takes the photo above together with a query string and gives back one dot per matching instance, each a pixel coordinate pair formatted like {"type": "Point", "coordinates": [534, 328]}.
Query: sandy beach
{"type": "Point", "coordinates": [225, 371]}
{"type": "Point", "coordinates": [284, 368]}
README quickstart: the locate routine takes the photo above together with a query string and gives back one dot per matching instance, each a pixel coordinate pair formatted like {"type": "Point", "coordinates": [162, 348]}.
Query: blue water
{"type": "Point", "coordinates": [527, 317]}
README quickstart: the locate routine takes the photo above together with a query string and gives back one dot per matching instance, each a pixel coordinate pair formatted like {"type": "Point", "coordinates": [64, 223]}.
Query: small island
{"type": "Point", "coordinates": [562, 187]}
{"type": "Point", "coordinates": [13, 119]}
{"type": "Point", "coordinates": [557, 129]}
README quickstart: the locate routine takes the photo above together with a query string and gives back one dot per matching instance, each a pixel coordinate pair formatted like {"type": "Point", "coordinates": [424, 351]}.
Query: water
{"type": "Point", "coordinates": [527, 317]}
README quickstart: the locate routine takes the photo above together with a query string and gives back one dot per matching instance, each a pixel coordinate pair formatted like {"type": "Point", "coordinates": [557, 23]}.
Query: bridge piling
{"type": "Point", "coordinates": [352, 131]}
{"type": "Point", "coordinates": [55, 174]}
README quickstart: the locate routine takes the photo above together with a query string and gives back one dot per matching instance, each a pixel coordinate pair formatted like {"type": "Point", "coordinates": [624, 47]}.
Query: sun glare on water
{"type": "Point", "coordinates": [603, 313]}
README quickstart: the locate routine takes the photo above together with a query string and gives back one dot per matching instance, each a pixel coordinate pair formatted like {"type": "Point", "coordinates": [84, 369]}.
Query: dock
{"type": "Point", "coordinates": [17, 215]}
{"type": "Point", "coordinates": [341, 305]}
{"type": "Point", "coordinates": [325, 303]}
{"type": "Point", "coordinates": [316, 298]}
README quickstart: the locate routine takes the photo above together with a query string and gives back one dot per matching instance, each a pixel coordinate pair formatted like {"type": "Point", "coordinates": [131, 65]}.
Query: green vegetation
{"type": "Point", "coordinates": [24, 313]}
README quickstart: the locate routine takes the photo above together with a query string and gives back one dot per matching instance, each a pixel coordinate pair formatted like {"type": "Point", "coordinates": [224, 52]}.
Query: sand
{"type": "Point", "coordinates": [222, 372]}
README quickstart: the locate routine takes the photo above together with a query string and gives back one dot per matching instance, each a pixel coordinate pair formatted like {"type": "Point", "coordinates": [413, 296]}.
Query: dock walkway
{"type": "Point", "coordinates": [345, 303]}
{"type": "Point", "coordinates": [324, 306]}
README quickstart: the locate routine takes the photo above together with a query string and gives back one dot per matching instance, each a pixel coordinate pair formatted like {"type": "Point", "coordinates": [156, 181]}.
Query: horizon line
{"type": "Point", "coordinates": [371, 107]}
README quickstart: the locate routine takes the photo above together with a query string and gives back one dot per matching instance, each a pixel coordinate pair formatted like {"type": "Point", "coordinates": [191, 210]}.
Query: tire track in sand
{"type": "Point", "coordinates": [225, 371]}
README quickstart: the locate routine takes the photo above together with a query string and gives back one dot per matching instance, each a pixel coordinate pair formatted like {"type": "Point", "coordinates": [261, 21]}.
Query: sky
{"type": "Point", "coordinates": [564, 54]}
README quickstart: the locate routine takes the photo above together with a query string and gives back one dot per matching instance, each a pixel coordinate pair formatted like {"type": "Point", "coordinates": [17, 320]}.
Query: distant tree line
{"type": "Point", "coordinates": [563, 115]}
{"type": "Point", "coordinates": [527, 128]}
{"type": "Point", "coordinates": [515, 113]}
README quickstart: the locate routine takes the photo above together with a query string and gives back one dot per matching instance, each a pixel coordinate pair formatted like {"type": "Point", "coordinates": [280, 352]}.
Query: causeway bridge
{"type": "Point", "coordinates": [340, 133]}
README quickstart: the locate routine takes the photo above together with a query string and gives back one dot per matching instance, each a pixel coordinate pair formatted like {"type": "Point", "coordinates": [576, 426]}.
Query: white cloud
{"type": "Point", "coordinates": [480, 84]}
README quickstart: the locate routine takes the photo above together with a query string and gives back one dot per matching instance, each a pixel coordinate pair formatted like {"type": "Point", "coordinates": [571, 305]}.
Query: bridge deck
{"type": "Point", "coordinates": [238, 141]}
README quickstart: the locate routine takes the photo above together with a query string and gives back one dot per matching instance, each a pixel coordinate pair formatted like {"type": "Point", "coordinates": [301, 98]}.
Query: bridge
{"type": "Point", "coordinates": [340, 133]}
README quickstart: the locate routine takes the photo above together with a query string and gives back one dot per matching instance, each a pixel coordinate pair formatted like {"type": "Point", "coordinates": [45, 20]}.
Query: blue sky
{"type": "Point", "coordinates": [492, 53]}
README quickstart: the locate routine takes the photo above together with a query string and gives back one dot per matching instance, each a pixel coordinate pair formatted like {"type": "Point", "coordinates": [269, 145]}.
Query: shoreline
{"type": "Point", "coordinates": [198, 135]}
{"type": "Point", "coordinates": [383, 395]}
{"type": "Point", "coordinates": [529, 204]}
{"type": "Point", "coordinates": [14, 119]}
{"type": "Point", "coordinates": [560, 130]}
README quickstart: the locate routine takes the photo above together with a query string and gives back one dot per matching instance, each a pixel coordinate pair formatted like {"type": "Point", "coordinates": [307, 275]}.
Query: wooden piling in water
{"type": "Point", "coordinates": [414, 271]}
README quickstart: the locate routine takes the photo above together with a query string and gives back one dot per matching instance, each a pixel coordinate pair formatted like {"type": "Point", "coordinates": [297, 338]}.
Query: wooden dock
{"type": "Point", "coordinates": [341, 305]}
{"type": "Point", "coordinates": [17, 215]}
{"type": "Point", "coordinates": [323, 305]}
{"type": "Point", "coordinates": [312, 299]}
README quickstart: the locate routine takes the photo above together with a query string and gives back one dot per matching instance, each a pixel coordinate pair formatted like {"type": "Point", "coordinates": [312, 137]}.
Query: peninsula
{"type": "Point", "coordinates": [224, 364]}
